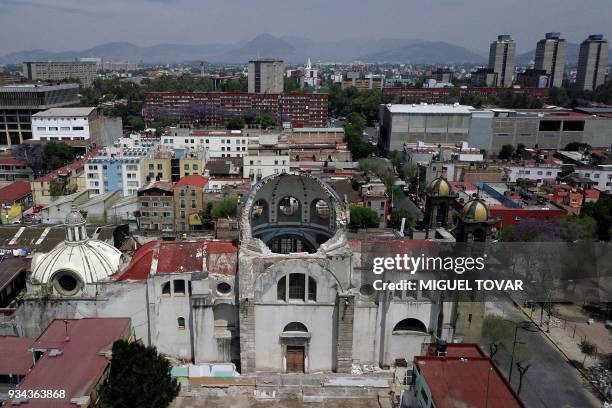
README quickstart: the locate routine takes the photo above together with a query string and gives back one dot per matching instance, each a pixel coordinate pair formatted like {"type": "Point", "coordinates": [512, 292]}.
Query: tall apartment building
{"type": "Point", "coordinates": [85, 71]}
{"type": "Point", "coordinates": [217, 108]}
{"type": "Point", "coordinates": [592, 62]}
{"type": "Point", "coordinates": [266, 76]}
{"type": "Point", "coordinates": [19, 102]}
{"type": "Point", "coordinates": [550, 57]}
{"type": "Point", "coordinates": [501, 59]}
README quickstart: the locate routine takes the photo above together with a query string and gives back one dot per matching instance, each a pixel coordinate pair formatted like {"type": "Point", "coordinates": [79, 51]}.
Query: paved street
{"type": "Point", "coordinates": [551, 382]}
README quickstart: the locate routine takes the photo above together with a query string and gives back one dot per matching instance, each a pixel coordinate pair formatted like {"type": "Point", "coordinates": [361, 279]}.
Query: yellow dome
{"type": "Point", "coordinates": [475, 210]}
{"type": "Point", "coordinates": [439, 187]}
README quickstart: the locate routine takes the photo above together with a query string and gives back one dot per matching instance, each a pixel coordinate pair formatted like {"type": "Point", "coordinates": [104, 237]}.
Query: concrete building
{"type": "Point", "coordinates": [211, 143]}
{"type": "Point", "coordinates": [592, 62]}
{"type": "Point", "coordinates": [443, 75]}
{"type": "Point", "coordinates": [266, 159]}
{"type": "Point", "coordinates": [363, 82]}
{"type": "Point", "coordinates": [156, 207]}
{"type": "Point", "coordinates": [14, 170]}
{"type": "Point", "coordinates": [74, 124]}
{"type": "Point", "coordinates": [600, 175]}
{"type": "Point", "coordinates": [188, 203]}
{"type": "Point", "coordinates": [533, 78]}
{"type": "Point", "coordinates": [400, 124]}
{"type": "Point", "coordinates": [266, 76]}
{"type": "Point", "coordinates": [84, 71]}
{"type": "Point", "coordinates": [117, 167]}
{"type": "Point", "coordinates": [501, 59]}
{"type": "Point", "coordinates": [19, 102]}
{"type": "Point", "coordinates": [537, 173]}
{"type": "Point", "coordinates": [217, 108]}
{"type": "Point", "coordinates": [550, 57]}
{"type": "Point", "coordinates": [483, 77]}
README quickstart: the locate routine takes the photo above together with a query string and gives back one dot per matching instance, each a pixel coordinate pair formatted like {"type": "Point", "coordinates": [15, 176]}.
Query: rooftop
{"type": "Point", "coordinates": [14, 355]}
{"type": "Point", "coordinates": [61, 112]}
{"type": "Point", "coordinates": [194, 180]}
{"type": "Point", "coordinates": [14, 191]}
{"type": "Point", "coordinates": [78, 364]}
{"type": "Point", "coordinates": [464, 379]}
{"type": "Point", "coordinates": [424, 108]}
{"type": "Point", "coordinates": [160, 257]}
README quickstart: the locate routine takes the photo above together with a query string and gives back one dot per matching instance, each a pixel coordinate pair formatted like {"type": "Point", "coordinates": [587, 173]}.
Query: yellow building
{"type": "Point", "coordinates": [191, 165]}
{"type": "Point", "coordinates": [157, 168]}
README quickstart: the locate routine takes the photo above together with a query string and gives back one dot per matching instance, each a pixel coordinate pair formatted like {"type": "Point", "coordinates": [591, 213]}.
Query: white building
{"type": "Point", "coordinates": [116, 168]}
{"type": "Point", "coordinates": [538, 173]}
{"type": "Point", "coordinates": [59, 124]}
{"type": "Point", "coordinates": [600, 175]}
{"type": "Point", "coordinates": [264, 163]}
{"type": "Point", "coordinates": [214, 143]}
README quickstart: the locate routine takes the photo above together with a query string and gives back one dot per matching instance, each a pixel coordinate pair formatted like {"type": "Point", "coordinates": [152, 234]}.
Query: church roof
{"type": "Point", "coordinates": [439, 187]}
{"type": "Point", "coordinates": [163, 257]}
{"type": "Point", "coordinates": [475, 210]}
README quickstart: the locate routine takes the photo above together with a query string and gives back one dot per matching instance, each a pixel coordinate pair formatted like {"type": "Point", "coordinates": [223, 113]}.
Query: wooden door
{"type": "Point", "coordinates": [295, 359]}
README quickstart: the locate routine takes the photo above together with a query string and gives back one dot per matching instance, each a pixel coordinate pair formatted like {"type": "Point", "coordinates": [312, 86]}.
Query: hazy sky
{"type": "Point", "coordinates": [60, 25]}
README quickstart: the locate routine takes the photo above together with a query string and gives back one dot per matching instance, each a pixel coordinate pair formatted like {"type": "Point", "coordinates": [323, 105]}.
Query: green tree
{"type": "Point", "coordinates": [587, 348]}
{"type": "Point", "coordinates": [266, 121]}
{"type": "Point", "coordinates": [497, 331]}
{"type": "Point", "coordinates": [139, 377]}
{"type": "Point", "coordinates": [601, 212]}
{"type": "Point", "coordinates": [362, 217]}
{"type": "Point", "coordinates": [206, 216]}
{"type": "Point", "coordinates": [396, 218]}
{"type": "Point", "coordinates": [506, 152]}
{"type": "Point", "coordinates": [353, 135]}
{"type": "Point", "coordinates": [57, 154]}
{"type": "Point", "coordinates": [572, 229]}
{"type": "Point", "coordinates": [235, 124]}
{"type": "Point", "coordinates": [226, 208]}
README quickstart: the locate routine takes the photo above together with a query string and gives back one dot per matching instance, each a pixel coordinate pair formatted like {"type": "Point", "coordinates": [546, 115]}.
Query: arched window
{"type": "Point", "coordinates": [312, 289]}
{"type": "Point", "coordinates": [295, 327]}
{"type": "Point", "coordinates": [281, 293]}
{"type": "Point", "coordinates": [181, 323]}
{"type": "Point", "coordinates": [297, 286]}
{"type": "Point", "coordinates": [414, 325]}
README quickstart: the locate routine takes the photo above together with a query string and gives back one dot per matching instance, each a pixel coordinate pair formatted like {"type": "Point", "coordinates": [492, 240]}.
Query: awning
{"type": "Point", "coordinates": [194, 219]}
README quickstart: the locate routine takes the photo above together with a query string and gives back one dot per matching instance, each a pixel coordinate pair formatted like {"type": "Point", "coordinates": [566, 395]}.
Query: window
{"type": "Point", "coordinates": [224, 288]}
{"type": "Point", "coordinates": [41, 129]}
{"type": "Point", "coordinates": [179, 287]}
{"type": "Point", "coordinates": [166, 289]}
{"type": "Point", "coordinates": [52, 129]}
{"type": "Point", "coordinates": [297, 286]}
{"type": "Point", "coordinates": [181, 323]}
{"type": "Point", "coordinates": [312, 289]}
{"type": "Point", "coordinates": [77, 128]}
{"type": "Point", "coordinates": [410, 325]}
{"type": "Point", "coordinates": [280, 289]}
{"type": "Point", "coordinates": [193, 203]}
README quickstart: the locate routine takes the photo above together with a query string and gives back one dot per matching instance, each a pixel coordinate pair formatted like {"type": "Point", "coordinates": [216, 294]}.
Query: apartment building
{"type": "Point", "coordinates": [537, 172]}
{"type": "Point", "coordinates": [189, 202]}
{"type": "Point", "coordinates": [156, 207]}
{"type": "Point", "coordinates": [217, 108]}
{"type": "Point", "coordinates": [213, 143]}
{"type": "Point", "coordinates": [84, 71]}
{"type": "Point", "coordinates": [592, 62]}
{"type": "Point", "coordinates": [266, 76]}
{"type": "Point", "coordinates": [267, 158]}
{"type": "Point", "coordinates": [19, 102]}
{"type": "Point", "coordinates": [601, 176]}
{"type": "Point", "coordinates": [117, 168]}
{"type": "Point", "coordinates": [550, 57]}
{"type": "Point", "coordinates": [501, 59]}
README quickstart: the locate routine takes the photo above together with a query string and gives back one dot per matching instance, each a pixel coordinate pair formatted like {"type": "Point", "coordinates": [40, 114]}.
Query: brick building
{"type": "Point", "coordinates": [217, 108]}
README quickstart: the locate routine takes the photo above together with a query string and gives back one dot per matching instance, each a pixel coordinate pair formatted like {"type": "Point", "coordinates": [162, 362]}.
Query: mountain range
{"type": "Point", "coordinates": [290, 49]}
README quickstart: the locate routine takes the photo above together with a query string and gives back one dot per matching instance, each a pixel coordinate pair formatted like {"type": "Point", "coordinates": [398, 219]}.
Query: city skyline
{"type": "Point", "coordinates": [71, 25]}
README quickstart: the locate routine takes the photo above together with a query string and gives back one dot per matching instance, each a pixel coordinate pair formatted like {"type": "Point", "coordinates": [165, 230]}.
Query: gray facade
{"type": "Point", "coordinates": [18, 103]}
{"type": "Point", "coordinates": [592, 62]}
{"type": "Point", "coordinates": [266, 76]}
{"type": "Point", "coordinates": [550, 57]}
{"type": "Point", "coordinates": [60, 70]}
{"type": "Point", "coordinates": [501, 59]}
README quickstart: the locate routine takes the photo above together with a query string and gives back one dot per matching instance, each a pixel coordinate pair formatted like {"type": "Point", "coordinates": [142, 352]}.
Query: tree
{"type": "Point", "coordinates": [226, 208]}
{"type": "Point", "coordinates": [353, 135]}
{"type": "Point", "coordinates": [601, 212]}
{"type": "Point", "coordinates": [139, 377]}
{"type": "Point", "coordinates": [266, 121]}
{"type": "Point", "coordinates": [506, 152]}
{"type": "Point", "coordinates": [396, 218]}
{"type": "Point", "coordinates": [587, 348]}
{"type": "Point", "coordinates": [362, 217]}
{"type": "Point", "coordinates": [206, 216]}
{"type": "Point", "coordinates": [572, 229]}
{"type": "Point", "coordinates": [57, 154]}
{"type": "Point", "coordinates": [235, 124]}
{"type": "Point", "coordinates": [497, 331]}
{"type": "Point", "coordinates": [33, 156]}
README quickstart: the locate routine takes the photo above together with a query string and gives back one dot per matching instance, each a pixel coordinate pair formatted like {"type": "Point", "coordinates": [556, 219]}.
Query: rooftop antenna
{"type": "Point", "coordinates": [67, 338]}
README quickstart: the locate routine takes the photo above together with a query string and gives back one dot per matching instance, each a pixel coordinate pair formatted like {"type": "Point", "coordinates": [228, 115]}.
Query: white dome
{"type": "Point", "coordinates": [86, 262]}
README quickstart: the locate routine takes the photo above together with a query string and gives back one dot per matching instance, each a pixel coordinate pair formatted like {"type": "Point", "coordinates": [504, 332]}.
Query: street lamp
{"type": "Point", "coordinates": [524, 325]}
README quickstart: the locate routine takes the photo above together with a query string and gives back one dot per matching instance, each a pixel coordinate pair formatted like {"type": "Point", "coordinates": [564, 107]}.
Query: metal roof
{"type": "Point", "coordinates": [64, 112]}
{"type": "Point", "coordinates": [431, 109]}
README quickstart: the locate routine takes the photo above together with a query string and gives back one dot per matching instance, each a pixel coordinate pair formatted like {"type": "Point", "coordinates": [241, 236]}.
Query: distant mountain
{"type": "Point", "coordinates": [290, 49]}
{"type": "Point", "coordinates": [573, 50]}
{"type": "Point", "coordinates": [426, 52]}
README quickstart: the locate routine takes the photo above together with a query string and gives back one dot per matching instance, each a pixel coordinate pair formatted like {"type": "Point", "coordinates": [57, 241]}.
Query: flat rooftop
{"type": "Point", "coordinates": [440, 109]}
{"type": "Point", "coordinates": [64, 112]}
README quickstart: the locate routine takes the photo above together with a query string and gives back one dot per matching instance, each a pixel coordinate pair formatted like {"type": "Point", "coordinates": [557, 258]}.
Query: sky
{"type": "Point", "coordinates": [62, 25]}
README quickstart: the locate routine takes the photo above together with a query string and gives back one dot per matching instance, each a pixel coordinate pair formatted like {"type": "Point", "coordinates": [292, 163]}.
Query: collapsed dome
{"type": "Point", "coordinates": [439, 187]}
{"type": "Point", "coordinates": [475, 210]}
{"type": "Point", "coordinates": [292, 213]}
